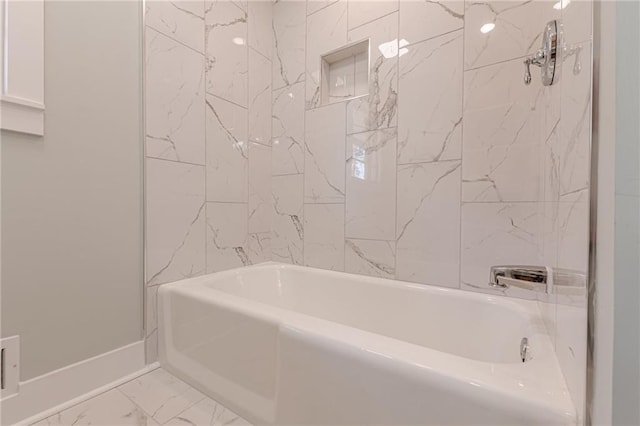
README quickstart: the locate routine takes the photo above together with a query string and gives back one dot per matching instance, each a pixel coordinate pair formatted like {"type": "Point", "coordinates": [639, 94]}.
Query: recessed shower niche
{"type": "Point", "coordinates": [345, 73]}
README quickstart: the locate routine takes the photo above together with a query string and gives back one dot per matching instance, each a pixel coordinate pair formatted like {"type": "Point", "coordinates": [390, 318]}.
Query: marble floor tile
{"type": "Point", "coordinates": [207, 412]}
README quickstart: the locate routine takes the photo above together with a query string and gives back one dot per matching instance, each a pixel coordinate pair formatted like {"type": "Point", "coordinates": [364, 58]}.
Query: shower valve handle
{"type": "Point", "coordinates": [538, 60]}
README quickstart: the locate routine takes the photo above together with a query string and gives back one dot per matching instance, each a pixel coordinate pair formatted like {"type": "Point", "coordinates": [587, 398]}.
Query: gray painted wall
{"type": "Point", "coordinates": [72, 209]}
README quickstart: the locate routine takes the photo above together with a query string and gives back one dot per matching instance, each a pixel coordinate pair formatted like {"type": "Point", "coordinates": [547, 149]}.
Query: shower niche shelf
{"type": "Point", "coordinates": [345, 73]}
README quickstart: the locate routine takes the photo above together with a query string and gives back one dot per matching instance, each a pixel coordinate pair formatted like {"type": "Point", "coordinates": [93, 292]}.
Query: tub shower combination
{"type": "Point", "coordinates": [282, 344]}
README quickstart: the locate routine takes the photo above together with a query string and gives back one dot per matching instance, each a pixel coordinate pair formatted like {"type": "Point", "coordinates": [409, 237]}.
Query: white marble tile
{"type": "Point", "coordinates": [175, 221]}
{"type": "Point", "coordinates": [378, 110]}
{"type": "Point", "coordinates": [324, 236]}
{"type": "Point", "coordinates": [315, 5]}
{"type": "Point", "coordinates": [174, 99]}
{"type": "Point", "coordinates": [288, 130]}
{"type": "Point", "coordinates": [365, 11]}
{"type": "Point", "coordinates": [151, 322]}
{"type": "Point", "coordinates": [260, 26]}
{"type": "Point", "coordinates": [161, 395]}
{"type": "Point", "coordinates": [430, 104]}
{"type": "Point", "coordinates": [577, 20]}
{"type": "Point", "coordinates": [574, 143]}
{"type": "Point", "coordinates": [182, 20]}
{"type": "Point", "coordinates": [259, 188]}
{"type": "Point", "coordinates": [326, 31]}
{"type": "Point", "coordinates": [287, 219]}
{"type": "Point", "coordinates": [108, 409]}
{"type": "Point", "coordinates": [370, 257]}
{"type": "Point", "coordinates": [428, 225]}
{"type": "Point", "coordinates": [242, 4]}
{"type": "Point", "coordinates": [259, 247]}
{"type": "Point", "coordinates": [517, 31]}
{"type": "Point", "coordinates": [289, 37]}
{"type": "Point", "coordinates": [499, 234]}
{"type": "Point", "coordinates": [424, 19]}
{"type": "Point", "coordinates": [227, 159]}
{"type": "Point", "coordinates": [259, 98]}
{"type": "Point", "coordinates": [227, 236]}
{"type": "Point", "coordinates": [371, 185]}
{"type": "Point", "coordinates": [151, 348]}
{"type": "Point", "coordinates": [324, 178]}
{"type": "Point", "coordinates": [573, 235]}
{"type": "Point", "coordinates": [226, 51]}
{"type": "Point", "coordinates": [502, 140]}
{"type": "Point", "coordinates": [207, 412]}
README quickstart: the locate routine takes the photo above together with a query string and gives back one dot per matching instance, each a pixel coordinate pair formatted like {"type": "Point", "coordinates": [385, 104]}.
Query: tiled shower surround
{"type": "Point", "coordinates": [449, 165]}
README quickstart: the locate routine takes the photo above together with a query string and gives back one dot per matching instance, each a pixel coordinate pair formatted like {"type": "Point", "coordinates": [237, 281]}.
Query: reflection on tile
{"type": "Point", "coordinates": [259, 98]}
{"type": "Point", "coordinates": [259, 247]}
{"type": "Point", "coordinates": [324, 236]}
{"type": "Point", "coordinates": [324, 179]}
{"type": "Point", "coordinates": [226, 236]}
{"type": "Point", "coordinates": [174, 99]}
{"type": "Point", "coordinates": [288, 130]}
{"type": "Point", "coordinates": [181, 20]}
{"type": "Point", "coordinates": [364, 11]}
{"type": "Point", "coordinates": [378, 110]}
{"type": "Point", "coordinates": [517, 31]}
{"type": "Point", "coordinates": [161, 395]}
{"type": "Point", "coordinates": [326, 31]}
{"type": "Point", "coordinates": [428, 225]}
{"type": "Point", "coordinates": [226, 151]}
{"type": "Point", "coordinates": [371, 183]}
{"type": "Point", "coordinates": [208, 412]}
{"type": "Point", "coordinates": [577, 19]}
{"type": "Point", "coordinates": [226, 51]}
{"type": "Point", "coordinates": [108, 409]}
{"type": "Point", "coordinates": [499, 234]}
{"type": "Point", "coordinates": [502, 136]}
{"type": "Point", "coordinates": [259, 188]}
{"type": "Point", "coordinates": [424, 19]}
{"type": "Point", "coordinates": [287, 226]}
{"type": "Point", "coordinates": [175, 221]}
{"type": "Point", "coordinates": [289, 36]}
{"type": "Point", "coordinates": [260, 29]}
{"type": "Point", "coordinates": [430, 108]}
{"type": "Point", "coordinates": [370, 257]}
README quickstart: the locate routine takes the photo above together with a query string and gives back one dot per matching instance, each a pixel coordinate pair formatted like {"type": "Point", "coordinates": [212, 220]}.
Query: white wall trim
{"type": "Point", "coordinates": [44, 394]}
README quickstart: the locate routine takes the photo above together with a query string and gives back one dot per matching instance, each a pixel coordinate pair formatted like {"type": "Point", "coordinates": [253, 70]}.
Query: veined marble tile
{"type": "Point", "coordinates": [324, 178]}
{"type": "Point", "coordinates": [207, 412]}
{"type": "Point", "coordinates": [502, 140]}
{"type": "Point", "coordinates": [174, 99]}
{"type": "Point", "coordinates": [242, 4]}
{"type": "Point", "coordinates": [577, 20]}
{"type": "Point", "coordinates": [378, 110]}
{"type": "Point", "coordinates": [575, 127]}
{"type": "Point", "coordinates": [315, 5]}
{"type": "Point", "coordinates": [259, 98]}
{"type": "Point", "coordinates": [227, 236]}
{"type": "Point", "coordinates": [428, 225]}
{"type": "Point", "coordinates": [151, 347]}
{"type": "Point", "coordinates": [364, 11]}
{"type": "Point", "coordinates": [326, 31]}
{"type": "Point", "coordinates": [324, 236]}
{"type": "Point", "coordinates": [499, 234]}
{"type": "Point", "coordinates": [289, 37]}
{"type": "Point", "coordinates": [259, 247]}
{"type": "Point", "coordinates": [226, 50]}
{"type": "Point", "coordinates": [175, 221]}
{"type": "Point", "coordinates": [288, 130]}
{"type": "Point", "coordinates": [182, 20]}
{"type": "Point", "coordinates": [151, 324]}
{"type": "Point", "coordinates": [109, 408]}
{"type": "Point", "coordinates": [573, 235]}
{"type": "Point", "coordinates": [424, 19]}
{"type": "Point", "coordinates": [287, 227]}
{"type": "Point", "coordinates": [517, 32]}
{"type": "Point", "coordinates": [371, 184]}
{"type": "Point", "coordinates": [260, 26]}
{"type": "Point", "coordinates": [227, 159]}
{"type": "Point", "coordinates": [370, 257]}
{"type": "Point", "coordinates": [259, 188]}
{"type": "Point", "coordinates": [430, 107]}
{"type": "Point", "coordinates": [161, 395]}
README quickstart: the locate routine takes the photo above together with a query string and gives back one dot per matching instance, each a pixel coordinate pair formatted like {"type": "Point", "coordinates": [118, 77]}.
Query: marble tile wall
{"type": "Point", "coordinates": [208, 140]}
{"type": "Point", "coordinates": [450, 164]}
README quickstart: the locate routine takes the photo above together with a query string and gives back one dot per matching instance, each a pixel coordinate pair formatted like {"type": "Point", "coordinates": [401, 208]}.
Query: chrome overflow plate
{"type": "Point", "coordinates": [545, 57]}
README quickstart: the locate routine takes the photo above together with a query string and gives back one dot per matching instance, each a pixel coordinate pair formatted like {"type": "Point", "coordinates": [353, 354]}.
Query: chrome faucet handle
{"type": "Point", "coordinates": [538, 60]}
{"type": "Point", "coordinates": [534, 278]}
{"type": "Point", "coordinates": [545, 58]}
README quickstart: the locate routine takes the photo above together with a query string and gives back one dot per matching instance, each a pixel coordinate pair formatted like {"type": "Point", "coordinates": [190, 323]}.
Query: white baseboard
{"type": "Point", "coordinates": [47, 394]}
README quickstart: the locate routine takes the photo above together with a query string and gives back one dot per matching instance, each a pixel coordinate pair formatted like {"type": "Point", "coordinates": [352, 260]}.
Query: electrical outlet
{"type": "Point", "coordinates": [9, 366]}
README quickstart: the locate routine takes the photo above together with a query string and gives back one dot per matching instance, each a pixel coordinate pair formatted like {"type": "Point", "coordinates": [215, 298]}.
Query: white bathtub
{"type": "Point", "coordinates": [283, 344]}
